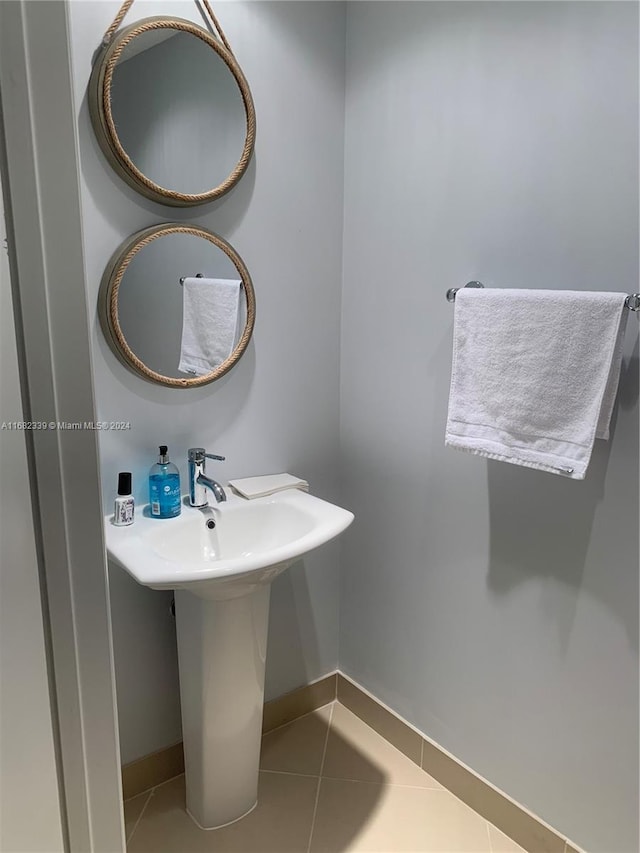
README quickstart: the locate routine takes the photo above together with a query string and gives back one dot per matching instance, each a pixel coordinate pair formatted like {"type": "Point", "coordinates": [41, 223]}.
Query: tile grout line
{"type": "Point", "coordinates": [144, 808]}
{"type": "Point", "coordinates": [295, 719]}
{"type": "Point", "coordinates": [489, 836]}
{"type": "Point", "coordinates": [291, 773]}
{"type": "Point", "coordinates": [441, 789]}
{"type": "Point", "coordinates": [324, 755]}
{"type": "Point", "coordinates": [153, 787]}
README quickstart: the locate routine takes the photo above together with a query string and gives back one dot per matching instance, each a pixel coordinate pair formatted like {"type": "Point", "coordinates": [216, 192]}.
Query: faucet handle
{"type": "Point", "coordinates": [198, 454]}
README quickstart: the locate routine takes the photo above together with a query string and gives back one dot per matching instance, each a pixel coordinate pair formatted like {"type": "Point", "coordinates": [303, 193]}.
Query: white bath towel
{"type": "Point", "coordinates": [268, 484]}
{"type": "Point", "coordinates": [535, 374]}
{"type": "Point", "coordinates": [209, 323]}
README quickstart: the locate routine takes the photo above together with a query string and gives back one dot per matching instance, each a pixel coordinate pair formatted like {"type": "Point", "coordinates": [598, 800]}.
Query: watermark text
{"type": "Point", "coordinates": [65, 425]}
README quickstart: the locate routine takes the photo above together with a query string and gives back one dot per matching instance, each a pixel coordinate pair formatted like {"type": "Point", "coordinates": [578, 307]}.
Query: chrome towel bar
{"type": "Point", "coordinates": [199, 275]}
{"type": "Point", "coordinates": [632, 302]}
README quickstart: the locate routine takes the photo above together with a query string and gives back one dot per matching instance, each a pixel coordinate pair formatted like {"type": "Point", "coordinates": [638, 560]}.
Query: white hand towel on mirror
{"type": "Point", "coordinates": [209, 323]}
{"type": "Point", "coordinates": [535, 374]}
{"type": "Point", "coordinates": [268, 484]}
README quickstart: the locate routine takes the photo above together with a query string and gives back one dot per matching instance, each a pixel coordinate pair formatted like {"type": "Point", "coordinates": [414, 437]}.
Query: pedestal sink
{"type": "Point", "coordinates": [220, 561]}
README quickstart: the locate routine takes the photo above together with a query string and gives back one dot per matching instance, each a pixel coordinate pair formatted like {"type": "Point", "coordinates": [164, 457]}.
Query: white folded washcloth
{"type": "Point", "coordinates": [535, 374]}
{"type": "Point", "coordinates": [209, 323]}
{"type": "Point", "coordinates": [268, 484]}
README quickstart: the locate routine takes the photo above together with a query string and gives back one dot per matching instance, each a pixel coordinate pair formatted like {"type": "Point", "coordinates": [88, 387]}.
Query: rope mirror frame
{"type": "Point", "coordinates": [100, 110]}
{"type": "Point", "coordinates": [108, 303]}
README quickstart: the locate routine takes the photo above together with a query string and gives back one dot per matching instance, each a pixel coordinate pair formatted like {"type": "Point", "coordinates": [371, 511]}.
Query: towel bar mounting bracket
{"type": "Point", "coordinates": [633, 302]}
{"type": "Point", "coordinates": [198, 275]}
{"type": "Point", "coordinates": [451, 293]}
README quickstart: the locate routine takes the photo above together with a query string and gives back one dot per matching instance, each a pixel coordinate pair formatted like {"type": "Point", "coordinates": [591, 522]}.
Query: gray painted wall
{"type": "Point", "coordinates": [495, 607]}
{"type": "Point", "coordinates": [277, 410]}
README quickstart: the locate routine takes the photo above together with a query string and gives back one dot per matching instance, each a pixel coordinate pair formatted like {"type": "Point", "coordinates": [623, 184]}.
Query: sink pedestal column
{"type": "Point", "coordinates": [222, 648]}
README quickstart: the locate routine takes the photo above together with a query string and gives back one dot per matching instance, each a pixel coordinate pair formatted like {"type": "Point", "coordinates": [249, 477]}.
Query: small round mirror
{"type": "Point", "coordinates": [172, 111]}
{"type": "Point", "coordinates": [177, 305]}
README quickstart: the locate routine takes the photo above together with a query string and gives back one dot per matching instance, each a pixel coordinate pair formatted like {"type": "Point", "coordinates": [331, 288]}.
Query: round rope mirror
{"type": "Point", "coordinates": [177, 305]}
{"type": "Point", "coordinates": [172, 111]}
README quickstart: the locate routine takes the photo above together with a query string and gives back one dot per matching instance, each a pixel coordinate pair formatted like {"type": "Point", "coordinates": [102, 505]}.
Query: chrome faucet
{"type": "Point", "coordinates": [198, 481]}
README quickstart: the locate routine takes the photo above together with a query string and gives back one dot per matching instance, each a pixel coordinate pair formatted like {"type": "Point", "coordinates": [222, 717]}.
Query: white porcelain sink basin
{"type": "Point", "coordinates": [220, 561]}
{"type": "Point", "coordinates": [252, 542]}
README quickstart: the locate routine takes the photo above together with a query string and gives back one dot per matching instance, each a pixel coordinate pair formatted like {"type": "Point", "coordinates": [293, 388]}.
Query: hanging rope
{"type": "Point", "coordinates": [217, 26]}
{"type": "Point", "coordinates": [129, 3]}
{"type": "Point", "coordinates": [117, 21]}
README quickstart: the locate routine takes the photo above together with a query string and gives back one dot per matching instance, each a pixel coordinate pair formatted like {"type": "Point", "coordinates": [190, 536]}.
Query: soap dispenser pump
{"type": "Point", "coordinates": [164, 487]}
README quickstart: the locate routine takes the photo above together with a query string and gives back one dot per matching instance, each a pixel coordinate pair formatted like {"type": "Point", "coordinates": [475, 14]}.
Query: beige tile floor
{"type": "Point", "coordinates": [328, 784]}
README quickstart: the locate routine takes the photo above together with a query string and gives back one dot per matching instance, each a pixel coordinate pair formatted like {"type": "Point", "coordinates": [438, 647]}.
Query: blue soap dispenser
{"type": "Point", "coordinates": [164, 487]}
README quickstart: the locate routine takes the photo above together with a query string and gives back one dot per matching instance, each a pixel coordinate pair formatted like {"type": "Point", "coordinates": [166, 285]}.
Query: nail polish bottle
{"type": "Point", "coordinates": [124, 505]}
